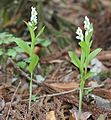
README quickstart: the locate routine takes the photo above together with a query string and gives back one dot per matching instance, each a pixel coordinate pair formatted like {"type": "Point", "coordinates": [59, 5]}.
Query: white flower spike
{"type": "Point", "coordinates": [86, 23]}
{"type": "Point", "coordinates": [33, 18]}
{"type": "Point", "coordinates": [33, 15]}
{"type": "Point", "coordinates": [87, 26]}
{"type": "Point", "coordinates": [80, 34]}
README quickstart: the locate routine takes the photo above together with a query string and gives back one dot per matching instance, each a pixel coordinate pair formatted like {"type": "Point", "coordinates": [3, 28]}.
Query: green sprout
{"type": "Point", "coordinates": [85, 58]}
{"type": "Point", "coordinates": [29, 49]}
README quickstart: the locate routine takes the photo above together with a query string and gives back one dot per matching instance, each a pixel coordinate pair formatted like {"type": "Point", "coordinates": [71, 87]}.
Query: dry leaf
{"type": "Point", "coordinates": [72, 117]}
{"type": "Point", "coordinates": [50, 115]}
{"type": "Point", "coordinates": [102, 117]}
{"type": "Point", "coordinates": [65, 86]}
{"type": "Point", "coordinates": [85, 116]}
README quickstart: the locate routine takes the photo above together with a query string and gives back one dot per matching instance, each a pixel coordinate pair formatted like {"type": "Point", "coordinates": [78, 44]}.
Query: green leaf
{"type": "Point", "coordinates": [88, 75]}
{"type": "Point", "coordinates": [18, 49]}
{"type": "Point", "coordinates": [24, 46]}
{"type": "Point", "coordinates": [85, 48]}
{"type": "Point", "coordinates": [91, 56]}
{"type": "Point", "coordinates": [33, 63]}
{"type": "Point", "coordinates": [28, 26]}
{"type": "Point", "coordinates": [74, 59]}
{"type": "Point", "coordinates": [88, 38]}
{"type": "Point", "coordinates": [82, 58]}
{"type": "Point", "coordinates": [34, 97]}
{"type": "Point", "coordinates": [21, 64]}
{"type": "Point", "coordinates": [6, 38]}
{"type": "Point", "coordinates": [43, 42]}
{"type": "Point", "coordinates": [11, 52]}
{"type": "Point", "coordinates": [88, 91]}
{"type": "Point", "coordinates": [32, 33]}
{"type": "Point", "coordinates": [40, 32]}
{"type": "Point", "coordinates": [27, 60]}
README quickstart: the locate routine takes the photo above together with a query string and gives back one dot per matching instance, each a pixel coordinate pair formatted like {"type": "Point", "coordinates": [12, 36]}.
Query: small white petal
{"type": "Point", "coordinates": [86, 19]}
{"type": "Point", "coordinates": [79, 31]}
{"type": "Point", "coordinates": [78, 37]}
{"type": "Point", "coordinates": [80, 34]}
{"type": "Point", "coordinates": [87, 23]}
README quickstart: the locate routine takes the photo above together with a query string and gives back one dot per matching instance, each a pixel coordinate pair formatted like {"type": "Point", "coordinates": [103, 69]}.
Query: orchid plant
{"type": "Point", "coordinates": [85, 58]}
{"type": "Point", "coordinates": [34, 59]}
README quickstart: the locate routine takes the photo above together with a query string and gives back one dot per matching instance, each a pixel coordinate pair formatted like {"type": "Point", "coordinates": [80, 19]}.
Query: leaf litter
{"type": "Point", "coordinates": [63, 77]}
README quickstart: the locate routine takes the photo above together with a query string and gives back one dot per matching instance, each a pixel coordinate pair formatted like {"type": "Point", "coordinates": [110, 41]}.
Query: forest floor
{"type": "Point", "coordinates": [55, 96]}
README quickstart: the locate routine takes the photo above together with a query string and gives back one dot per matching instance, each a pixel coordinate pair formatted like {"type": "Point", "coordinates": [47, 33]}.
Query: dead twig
{"type": "Point", "coordinates": [12, 100]}
{"type": "Point", "coordinates": [64, 92]}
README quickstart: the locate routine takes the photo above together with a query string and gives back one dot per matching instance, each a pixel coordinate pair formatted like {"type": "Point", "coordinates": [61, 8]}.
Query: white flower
{"type": "Point", "coordinates": [33, 16]}
{"type": "Point", "coordinates": [86, 23]}
{"type": "Point", "coordinates": [80, 34]}
{"type": "Point", "coordinates": [87, 26]}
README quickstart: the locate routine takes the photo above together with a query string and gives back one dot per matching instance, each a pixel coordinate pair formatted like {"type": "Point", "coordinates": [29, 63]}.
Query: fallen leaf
{"type": "Point", "coordinates": [102, 117]}
{"type": "Point", "coordinates": [72, 116]}
{"type": "Point", "coordinates": [65, 86]}
{"type": "Point", "coordinates": [85, 115]}
{"type": "Point", "coordinates": [50, 115]}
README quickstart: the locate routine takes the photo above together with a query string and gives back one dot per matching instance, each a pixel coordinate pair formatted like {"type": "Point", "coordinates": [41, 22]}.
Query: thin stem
{"type": "Point", "coordinates": [30, 97]}
{"type": "Point", "coordinates": [80, 98]}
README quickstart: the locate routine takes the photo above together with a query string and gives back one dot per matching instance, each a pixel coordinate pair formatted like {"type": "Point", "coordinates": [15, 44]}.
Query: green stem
{"type": "Point", "coordinates": [80, 99]}
{"type": "Point", "coordinates": [30, 97]}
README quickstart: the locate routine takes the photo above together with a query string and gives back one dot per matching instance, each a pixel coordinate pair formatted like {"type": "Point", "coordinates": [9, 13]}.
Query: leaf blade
{"type": "Point", "coordinates": [88, 75]}
{"type": "Point", "coordinates": [74, 59]}
{"type": "Point", "coordinates": [33, 63]}
{"type": "Point", "coordinates": [40, 32]}
{"type": "Point", "coordinates": [91, 56]}
{"type": "Point", "coordinates": [24, 46]}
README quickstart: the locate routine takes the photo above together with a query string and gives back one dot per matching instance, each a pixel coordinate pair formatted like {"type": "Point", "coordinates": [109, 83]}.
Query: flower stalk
{"type": "Point", "coordinates": [86, 56]}
{"type": "Point", "coordinates": [34, 59]}
{"type": "Point", "coordinates": [30, 91]}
